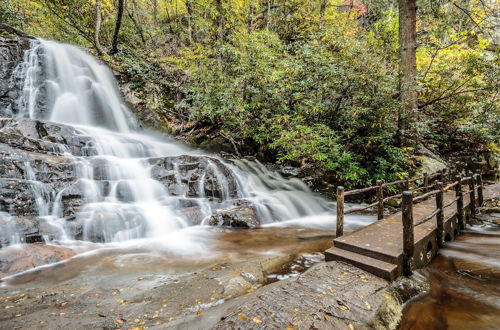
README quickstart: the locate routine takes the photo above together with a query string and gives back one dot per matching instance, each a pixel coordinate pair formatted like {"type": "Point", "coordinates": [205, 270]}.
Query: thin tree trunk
{"type": "Point", "coordinates": [118, 24]}
{"type": "Point", "coordinates": [408, 72]}
{"type": "Point", "coordinates": [220, 21]}
{"type": "Point", "coordinates": [155, 12]}
{"type": "Point", "coordinates": [220, 29]}
{"type": "Point", "coordinates": [136, 24]}
{"type": "Point", "coordinates": [268, 18]}
{"type": "Point", "coordinates": [322, 10]}
{"type": "Point", "coordinates": [189, 17]}
{"type": "Point", "coordinates": [98, 21]}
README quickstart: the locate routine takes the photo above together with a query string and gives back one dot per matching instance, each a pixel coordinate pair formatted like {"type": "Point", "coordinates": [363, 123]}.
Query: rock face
{"type": "Point", "coordinates": [12, 50]}
{"type": "Point", "coordinates": [41, 178]}
{"type": "Point", "coordinates": [238, 217]}
{"type": "Point", "coordinates": [39, 165]}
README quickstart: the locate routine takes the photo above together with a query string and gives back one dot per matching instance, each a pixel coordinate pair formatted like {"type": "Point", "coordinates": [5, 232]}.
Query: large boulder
{"type": "Point", "coordinates": [239, 217]}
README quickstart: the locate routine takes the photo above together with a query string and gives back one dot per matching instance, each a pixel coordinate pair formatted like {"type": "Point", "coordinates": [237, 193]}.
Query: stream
{"type": "Point", "coordinates": [465, 285]}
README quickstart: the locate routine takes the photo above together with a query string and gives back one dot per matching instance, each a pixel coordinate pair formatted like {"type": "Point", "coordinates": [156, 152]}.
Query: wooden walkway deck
{"type": "Point", "coordinates": [378, 248]}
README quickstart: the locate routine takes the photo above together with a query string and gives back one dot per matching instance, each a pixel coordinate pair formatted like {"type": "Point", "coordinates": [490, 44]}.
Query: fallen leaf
{"type": "Point", "coordinates": [243, 317]}
{"type": "Point", "coordinates": [256, 319]}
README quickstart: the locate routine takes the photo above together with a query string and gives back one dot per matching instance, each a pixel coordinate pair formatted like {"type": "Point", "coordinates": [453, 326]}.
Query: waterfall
{"type": "Point", "coordinates": [123, 196]}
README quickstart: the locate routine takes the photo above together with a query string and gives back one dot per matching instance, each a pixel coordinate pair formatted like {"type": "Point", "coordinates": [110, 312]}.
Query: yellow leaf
{"type": "Point", "coordinates": [256, 319]}
{"type": "Point", "coordinates": [243, 317]}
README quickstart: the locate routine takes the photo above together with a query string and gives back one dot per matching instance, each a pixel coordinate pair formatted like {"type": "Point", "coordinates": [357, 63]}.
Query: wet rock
{"type": "Point", "coordinates": [12, 50]}
{"type": "Point", "coordinates": [194, 215]}
{"type": "Point", "coordinates": [16, 164]}
{"type": "Point", "coordinates": [15, 260]}
{"type": "Point", "coordinates": [238, 217]}
{"type": "Point", "coordinates": [13, 229]}
{"type": "Point", "coordinates": [39, 136]}
{"type": "Point", "coordinates": [195, 176]}
{"type": "Point", "coordinates": [17, 197]}
{"type": "Point", "coordinates": [33, 238]}
{"type": "Point", "coordinates": [72, 199]}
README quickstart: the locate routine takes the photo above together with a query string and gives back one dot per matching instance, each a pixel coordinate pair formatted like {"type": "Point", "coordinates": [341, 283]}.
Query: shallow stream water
{"type": "Point", "coordinates": [465, 285]}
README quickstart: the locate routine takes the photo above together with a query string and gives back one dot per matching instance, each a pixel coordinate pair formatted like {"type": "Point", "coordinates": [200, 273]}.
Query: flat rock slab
{"type": "Point", "coordinates": [329, 295]}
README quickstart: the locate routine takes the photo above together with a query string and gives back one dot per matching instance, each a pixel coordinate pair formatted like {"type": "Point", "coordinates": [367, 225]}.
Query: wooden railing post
{"type": "Point", "coordinates": [426, 182]}
{"type": "Point", "coordinates": [407, 232]}
{"type": "Point", "coordinates": [440, 214]}
{"type": "Point", "coordinates": [460, 203]}
{"type": "Point", "coordinates": [380, 199]}
{"type": "Point", "coordinates": [480, 189]}
{"type": "Point", "coordinates": [340, 211]}
{"type": "Point", "coordinates": [472, 204]}
{"type": "Point", "coordinates": [407, 183]}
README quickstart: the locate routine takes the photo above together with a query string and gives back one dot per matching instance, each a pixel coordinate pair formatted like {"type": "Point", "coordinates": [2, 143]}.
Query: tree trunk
{"type": "Point", "coordinates": [98, 21]}
{"type": "Point", "coordinates": [118, 24]}
{"type": "Point", "coordinates": [322, 10]}
{"type": "Point", "coordinates": [155, 12]}
{"type": "Point", "coordinates": [220, 29]}
{"type": "Point", "coordinates": [220, 21]}
{"type": "Point", "coordinates": [408, 72]}
{"type": "Point", "coordinates": [189, 18]}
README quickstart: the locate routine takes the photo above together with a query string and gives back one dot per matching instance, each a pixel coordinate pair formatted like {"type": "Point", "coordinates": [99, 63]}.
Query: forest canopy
{"type": "Point", "coordinates": [313, 83]}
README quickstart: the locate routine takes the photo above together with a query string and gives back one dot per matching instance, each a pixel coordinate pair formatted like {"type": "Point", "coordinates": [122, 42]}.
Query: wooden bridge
{"type": "Point", "coordinates": [431, 213]}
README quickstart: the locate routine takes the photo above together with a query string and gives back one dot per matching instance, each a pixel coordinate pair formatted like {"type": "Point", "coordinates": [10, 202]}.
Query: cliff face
{"type": "Point", "coordinates": [12, 50]}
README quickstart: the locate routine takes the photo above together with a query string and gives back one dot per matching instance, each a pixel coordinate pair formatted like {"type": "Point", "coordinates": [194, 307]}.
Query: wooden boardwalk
{"type": "Point", "coordinates": [378, 248]}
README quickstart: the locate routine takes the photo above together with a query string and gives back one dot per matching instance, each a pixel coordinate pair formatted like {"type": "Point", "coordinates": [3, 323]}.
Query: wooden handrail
{"type": "Point", "coordinates": [451, 185]}
{"type": "Point", "coordinates": [358, 209]}
{"type": "Point", "coordinates": [359, 191]}
{"type": "Point", "coordinates": [451, 203]}
{"type": "Point", "coordinates": [427, 217]}
{"type": "Point", "coordinates": [424, 196]}
{"type": "Point", "coordinates": [408, 201]}
{"type": "Point", "coordinates": [363, 190]}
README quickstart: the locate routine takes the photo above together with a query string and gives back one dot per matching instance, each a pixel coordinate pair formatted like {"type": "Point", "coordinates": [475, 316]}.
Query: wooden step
{"type": "Point", "coordinates": [367, 251]}
{"type": "Point", "coordinates": [376, 267]}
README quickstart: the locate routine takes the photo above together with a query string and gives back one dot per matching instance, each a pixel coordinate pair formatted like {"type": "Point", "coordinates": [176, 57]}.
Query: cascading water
{"type": "Point", "coordinates": [124, 198]}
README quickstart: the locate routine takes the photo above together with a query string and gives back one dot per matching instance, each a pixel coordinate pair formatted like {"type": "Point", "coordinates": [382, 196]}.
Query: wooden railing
{"type": "Point", "coordinates": [424, 186]}
{"type": "Point", "coordinates": [475, 185]}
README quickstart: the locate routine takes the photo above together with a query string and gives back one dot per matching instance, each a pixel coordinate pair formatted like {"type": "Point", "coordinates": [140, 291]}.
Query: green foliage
{"type": "Point", "coordinates": [308, 87]}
